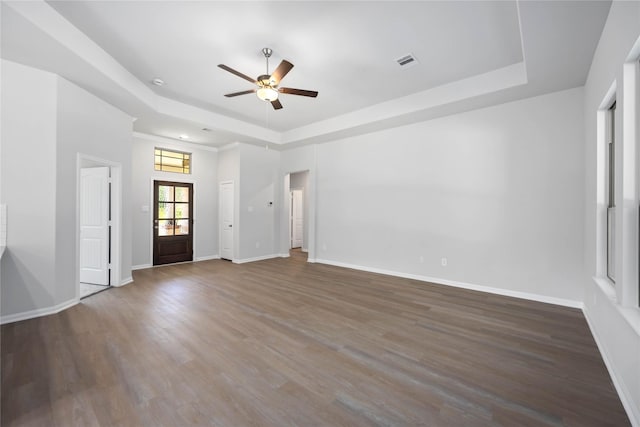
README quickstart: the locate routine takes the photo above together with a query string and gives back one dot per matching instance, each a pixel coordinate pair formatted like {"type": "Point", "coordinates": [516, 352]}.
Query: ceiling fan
{"type": "Point", "coordinates": [267, 84]}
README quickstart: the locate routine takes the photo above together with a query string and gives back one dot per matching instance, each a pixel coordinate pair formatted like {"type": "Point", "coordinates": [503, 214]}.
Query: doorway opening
{"type": "Point", "coordinates": [297, 191]}
{"type": "Point", "coordinates": [172, 222]}
{"type": "Point", "coordinates": [98, 217]}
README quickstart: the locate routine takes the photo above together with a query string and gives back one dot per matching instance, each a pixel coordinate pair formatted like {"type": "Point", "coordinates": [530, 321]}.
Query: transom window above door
{"type": "Point", "coordinates": [172, 161]}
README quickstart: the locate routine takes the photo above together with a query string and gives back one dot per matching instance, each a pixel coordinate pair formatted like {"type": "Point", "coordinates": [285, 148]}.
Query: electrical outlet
{"type": "Point", "coordinates": [257, 245]}
{"type": "Point", "coordinates": [421, 259]}
{"type": "Point", "coordinates": [443, 262]}
{"type": "Point", "coordinates": [324, 247]}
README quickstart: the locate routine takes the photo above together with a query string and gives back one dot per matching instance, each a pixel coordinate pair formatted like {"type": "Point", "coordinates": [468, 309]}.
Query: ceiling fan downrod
{"type": "Point", "coordinates": [267, 54]}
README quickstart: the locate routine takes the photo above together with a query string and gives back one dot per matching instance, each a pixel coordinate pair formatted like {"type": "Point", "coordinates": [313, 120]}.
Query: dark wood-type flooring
{"type": "Point", "coordinates": [286, 343]}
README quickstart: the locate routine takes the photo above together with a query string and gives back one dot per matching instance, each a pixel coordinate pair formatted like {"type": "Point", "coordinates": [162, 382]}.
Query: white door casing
{"type": "Point", "coordinates": [94, 225]}
{"type": "Point", "coordinates": [226, 220]}
{"type": "Point", "coordinates": [297, 219]}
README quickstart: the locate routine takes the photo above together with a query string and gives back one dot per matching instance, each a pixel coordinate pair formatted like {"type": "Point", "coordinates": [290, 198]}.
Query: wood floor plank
{"type": "Point", "coordinates": [283, 342]}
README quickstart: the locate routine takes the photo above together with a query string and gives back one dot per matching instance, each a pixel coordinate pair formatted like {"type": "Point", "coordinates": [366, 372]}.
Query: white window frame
{"type": "Point", "coordinates": [610, 189]}
{"type": "Point", "coordinates": [603, 210]}
{"type": "Point", "coordinates": [625, 294]}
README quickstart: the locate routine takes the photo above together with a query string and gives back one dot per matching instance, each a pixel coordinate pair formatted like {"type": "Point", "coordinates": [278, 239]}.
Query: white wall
{"type": "Point", "coordinates": [204, 172]}
{"type": "Point", "coordinates": [259, 225]}
{"type": "Point", "coordinates": [298, 180]}
{"type": "Point", "coordinates": [46, 122]}
{"type": "Point", "coordinates": [497, 191]}
{"type": "Point", "coordinates": [254, 172]}
{"type": "Point", "coordinates": [90, 126]}
{"type": "Point", "coordinates": [27, 175]}
{"type": "Point", "coordinates": [616, 327]}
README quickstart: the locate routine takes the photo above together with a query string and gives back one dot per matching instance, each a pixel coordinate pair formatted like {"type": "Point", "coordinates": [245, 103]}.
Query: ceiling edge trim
{"type": "Point", "coordinates": [216, 121]}
{"type": "Point", "coordinates": [482, 84]}
{"type": "Point", "coordinates": [177, 142]}
{"type": "Point", "coordinates": [57, 27]}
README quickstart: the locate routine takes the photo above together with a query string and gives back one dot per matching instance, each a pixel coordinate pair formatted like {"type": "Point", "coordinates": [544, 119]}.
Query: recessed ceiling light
{"type": "Point", "coordinates": [206, 129]}
{"type": "Point", "coordinates": [158, 82]}
{"type": "Point", "coordinates": [183, 136]}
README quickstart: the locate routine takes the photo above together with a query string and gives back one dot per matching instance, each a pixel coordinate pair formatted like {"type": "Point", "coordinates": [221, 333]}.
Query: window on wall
{"type": "Point", "coordinates": [610, 175]}
{"type": "Point", "coordinates": [172, 161]}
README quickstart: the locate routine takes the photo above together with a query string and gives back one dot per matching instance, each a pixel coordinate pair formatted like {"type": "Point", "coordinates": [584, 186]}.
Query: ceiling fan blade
{"type": "Point", "coordinates": [237, 73]}
{"type": "Point", "coordinates": [244, 92]}
{"type": "Point", "coordinates": [276, 104]}
{"type": "Point", "coordinates": [301, 92]}
{"type": "Point", "coordinates": [282, 70]}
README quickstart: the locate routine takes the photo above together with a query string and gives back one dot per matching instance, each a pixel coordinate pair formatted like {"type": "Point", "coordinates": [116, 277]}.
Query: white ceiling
{"type": "Point", "coordinates": [470, 54]}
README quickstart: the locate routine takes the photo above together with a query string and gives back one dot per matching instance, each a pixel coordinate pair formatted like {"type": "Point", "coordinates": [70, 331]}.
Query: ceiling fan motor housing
{"type": "Point", "coordinates": [265, 80]}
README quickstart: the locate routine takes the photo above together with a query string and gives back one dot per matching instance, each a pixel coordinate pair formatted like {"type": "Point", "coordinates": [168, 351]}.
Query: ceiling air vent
{"type": "Point", "coordinates": [407, 60]}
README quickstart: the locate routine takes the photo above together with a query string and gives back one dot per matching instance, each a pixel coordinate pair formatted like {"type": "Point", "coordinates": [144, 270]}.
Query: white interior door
{"type": "Point", "coordinates": [94, 225]}
{"type": "Point", "coordinates": [226, 220]}
{"type": "Point", "coordinates": [297, 219]}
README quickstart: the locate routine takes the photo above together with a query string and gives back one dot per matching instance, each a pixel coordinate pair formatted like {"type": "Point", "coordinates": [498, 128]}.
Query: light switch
{"type": "Point", "coordinates": [145, 208]}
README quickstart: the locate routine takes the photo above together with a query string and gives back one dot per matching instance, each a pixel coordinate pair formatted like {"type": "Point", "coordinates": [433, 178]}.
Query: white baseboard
{"type": "Point", "coordinates": [470, 286]}
{"type": "Point", "coordinates": [258, 258]}
{"type": "Point", "coordinates": [207, 258]}
{"type": "Point", "coordinates": [32, 314]}
{"type": "Point", "coordinates": [141, 266]}
{"type": "Point", "coordinates": [125, 281]}
{"type": "Point", "coordinates": [304, 250]}
{"type": "Point", "coordinates": [284, 255]}
{"type": "Point", "coordinates": [632, 408]}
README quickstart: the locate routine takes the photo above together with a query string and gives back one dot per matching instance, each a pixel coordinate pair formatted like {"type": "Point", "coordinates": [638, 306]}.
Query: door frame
{"type": "Point", "coordinates": [115, 249]}
{"type": "Point", "coordinates": [291, 190]}
{"type": "Point", "coordinates": [158, 177]}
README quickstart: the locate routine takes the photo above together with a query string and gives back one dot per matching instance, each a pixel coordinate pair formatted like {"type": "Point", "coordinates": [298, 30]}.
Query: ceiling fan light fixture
{"type": "Point", "coordinates": [268, 84]}
{"type": "Point", "coordinates": [267, 93]}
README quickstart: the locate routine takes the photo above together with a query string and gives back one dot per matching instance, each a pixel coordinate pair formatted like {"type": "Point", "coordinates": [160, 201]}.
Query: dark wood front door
{"type": "Point", "coordinates": [172, 222]}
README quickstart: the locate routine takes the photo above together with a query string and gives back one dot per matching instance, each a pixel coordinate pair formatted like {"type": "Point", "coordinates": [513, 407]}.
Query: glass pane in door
{"type": "Point", "coordinates": [182, 227]}
{"type": "Point", "coordinates": [165, 210]}
{"type": "Point", "coordinates": [182, 210]}
{"type": "Point", "coordinates": [165, 193]}
{"type": "Point", "coordinates": [182, 194]}
{"type": "Point", "coordinates": [165, 227]}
